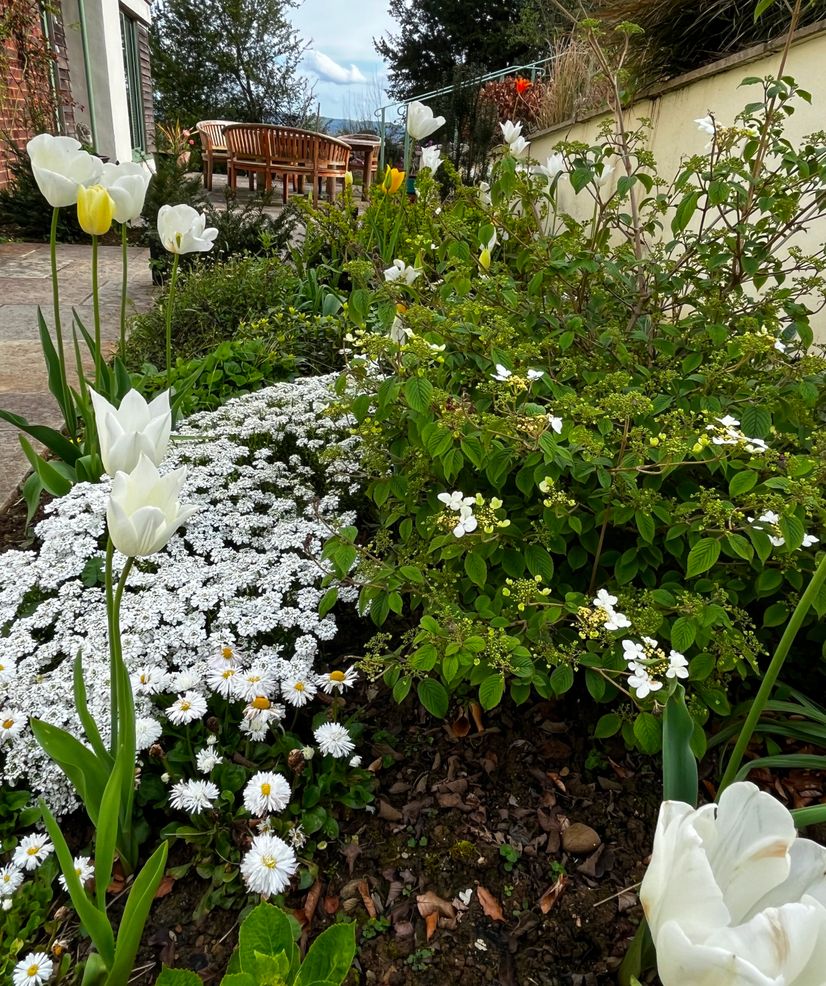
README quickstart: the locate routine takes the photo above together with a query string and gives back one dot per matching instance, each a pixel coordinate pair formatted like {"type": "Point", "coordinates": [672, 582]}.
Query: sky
{"type": "Point", "coordinates": [349, 76]}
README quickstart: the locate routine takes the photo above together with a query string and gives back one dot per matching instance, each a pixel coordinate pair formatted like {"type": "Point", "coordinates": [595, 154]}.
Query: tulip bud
{"type": "Point", "coordinates": [348, 179]}
{"type": "Point", "coordinates": [484, 259]}
{"type": "Point", "coordinates": [95, 209]}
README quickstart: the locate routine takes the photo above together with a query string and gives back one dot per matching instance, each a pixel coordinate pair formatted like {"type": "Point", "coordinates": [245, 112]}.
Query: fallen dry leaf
{"type": "Point", "coordinates": [311, 901]}
{"type": "Point", "coordinates": [351, 851]}
{"type": "Point", "coordinates": [430, 923]}
{"type": "Point", "coordinates": [460, 726]}
{"type": "Point", "coordinates": [431, 903]}
{"type": "Point", "coordinates": [331, 904]}
{"type": "Point", "coordinates": [552, 894]}
{"type": "Point", "coordinates": [388, 812]}
{"type": "Point", "coordinates": [165, 886]}
{"type": "Point", "coordinates": [476, 712]}
{"type": "Point", "coordinates": [366, 899]}
{"type": "Point", "coordinates": [490, 905]}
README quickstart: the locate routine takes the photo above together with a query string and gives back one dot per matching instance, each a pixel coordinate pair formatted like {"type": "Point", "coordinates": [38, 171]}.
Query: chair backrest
{"type": "Point", "coordinates": [211, 133]}
{"type": "Point", "coordinates": [291, 145]}
{"type": "Point", "coordinates": [248, 140]}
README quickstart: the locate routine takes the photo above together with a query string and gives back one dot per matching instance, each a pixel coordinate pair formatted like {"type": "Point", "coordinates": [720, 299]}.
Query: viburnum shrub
{"type": "Point", "coordinates": [593, 448]}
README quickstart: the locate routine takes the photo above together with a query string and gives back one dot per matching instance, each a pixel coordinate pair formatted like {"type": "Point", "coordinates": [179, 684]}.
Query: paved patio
{"type": "Point", "coordinates": [25, 285]}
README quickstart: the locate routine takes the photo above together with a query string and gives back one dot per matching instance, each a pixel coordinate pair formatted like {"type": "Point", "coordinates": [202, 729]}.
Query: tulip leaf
{"type": "Point", "coordinates": [679, 763]}
{"type": "Point", "coordinates": [56, 443]}
{"type": "Point", "coordinates": [55, 373]}
{"type": "Point", "coordinates": [50, 475]}
{"type": "Point", "coordinates": [86, 773]}
{"type": "Point", "coordinates": [90, 728]}
{"type": "Point", "coordinates": [135, 914]}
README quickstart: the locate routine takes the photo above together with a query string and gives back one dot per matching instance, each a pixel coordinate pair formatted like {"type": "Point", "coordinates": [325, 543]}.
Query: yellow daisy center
{"type": "Point", "coordinates": [228, 673]}
{"type": "Point", "coordinates": [265, 789]}
{"type": "Point", "coordinates": [299, 686]}
{"type": "Point", "coordinates": [260, 702]}
{"type": "Point", "coordinates": [269, 861]}
{"type": "Point", "coordinates": [227, 653]}
{"type": "Point", "coordinates": [185, 706]}
{"type": "Point", "coordinates": [33, 850]}
{"type": "Point", "coordinates": [33, 969]}
{"type": "Point", "coordinates": [8, 723]}
{"type": "Point", "coordinates": [337, 676]}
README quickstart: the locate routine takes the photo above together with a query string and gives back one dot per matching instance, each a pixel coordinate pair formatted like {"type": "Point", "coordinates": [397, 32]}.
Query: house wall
{"type": "Point", "coordinates": [674, 107]}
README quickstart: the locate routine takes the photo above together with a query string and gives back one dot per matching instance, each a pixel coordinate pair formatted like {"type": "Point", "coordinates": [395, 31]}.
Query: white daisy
{"type": "Point", "coordinates": [256, 728]}
{"type": "Point", "coordinates": [193, 796]}
{"type": "Point", "coordinates": [227, 658]}
{"type": "Point", "coordinates": [147, 732]}
{"type": "Point", "coordinates": [268, 865]}
{"type": "Point", "coordinates": [265, 792]}
{"type": "Point", "coordinates": [299, 691]}
{"type": "Point", "coordinates": [221, 679]}
{"type": "Point", "coordinates": [35, 969]}
{"type": "Point", "coordinates": [8, 667]}
{"type": "Point", "coordinates": [333, 738]}
{"type": "Point", "coordinates": [11, 877]}
{"type": "Point", "coordinates": [255, 681]}
{"type": "Point", "coordinates": [207, 759]}
{"type": "Point", "coordinates": [265, 710]}
{"type": "Point", "coordinates": [31, 851]}
{"type": "Point", "coordinates": [186, 681]}
{"type": "Point", "coordinates": [150, 680]}
{"type": "Point", "coordinates": [337, 681]}
{"type": "Point", "coordinates": [187, 708]}
{"type": "Point", "coordinates": [84, 869]}
{"type": "Point", "coordinates": [355, 761]}
{"type": "Point", "coordinates": [12, 724]}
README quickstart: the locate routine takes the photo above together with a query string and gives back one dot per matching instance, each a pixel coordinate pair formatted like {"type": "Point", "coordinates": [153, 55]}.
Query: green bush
{"type": "Point", "coordinates": [623, 404]}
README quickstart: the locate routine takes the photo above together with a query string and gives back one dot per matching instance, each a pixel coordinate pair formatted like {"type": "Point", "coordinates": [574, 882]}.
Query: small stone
{"type": "Point", "coordinates": [579, 839]}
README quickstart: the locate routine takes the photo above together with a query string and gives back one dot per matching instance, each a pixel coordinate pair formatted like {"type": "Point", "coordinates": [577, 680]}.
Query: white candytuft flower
{"type": "Point", "coordinates": [193, 796]}
{"type": "Point", "coordinates": [187, 708]}
{"type": "Point", "coordinates": [147, 732]}
{"type": "Point", "coordinates": [337, 681]}
{"type": "Point", "coordinates": [268, 865]}
{"type": "Point", "coordinates": [31, 851]}
{"type": "Point", "coordinates": [11, 877]}
{"type": "Point", "coordinates": [33, 970]}
{"type": "Point", "coordinates": [266, 792]}
{"type": "Point", "coordinates": [84, 870]}
{"type": "Point", "coordinates": [333, 739]}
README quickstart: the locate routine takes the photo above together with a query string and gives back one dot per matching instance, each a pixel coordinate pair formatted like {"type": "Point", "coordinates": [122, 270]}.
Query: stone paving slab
{"type": "Point", "coordinates": [25, 284]}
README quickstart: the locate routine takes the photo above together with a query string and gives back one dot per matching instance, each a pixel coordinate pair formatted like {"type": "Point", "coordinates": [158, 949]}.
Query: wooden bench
{"type": "Point", "coordinates": [263, 149]}
{"type": "Point", "coordinates": [213, 146]}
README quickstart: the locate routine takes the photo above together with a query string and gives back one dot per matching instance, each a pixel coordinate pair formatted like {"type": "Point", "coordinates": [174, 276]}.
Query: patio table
{"type": "Point", "coordinates": [367, 147]}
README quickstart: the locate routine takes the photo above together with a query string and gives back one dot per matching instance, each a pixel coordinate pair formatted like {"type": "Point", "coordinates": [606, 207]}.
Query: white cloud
{"type": "Point", "coordinates": [329, 71]}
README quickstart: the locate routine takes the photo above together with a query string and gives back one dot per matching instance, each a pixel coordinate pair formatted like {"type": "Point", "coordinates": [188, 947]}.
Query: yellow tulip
{"type": "Point", "coordinates": [484, 258]}
{"type": "Point", "coordinates": [95, 209]}
{"type": "Point", "coordinates": [348, 179]}
{"type": "Point", "coordinates": [393, 179]}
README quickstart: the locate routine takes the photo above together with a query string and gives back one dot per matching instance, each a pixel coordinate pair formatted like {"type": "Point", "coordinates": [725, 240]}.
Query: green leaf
{"type": "Point", "coordinates": [607, 725]}
{"type": "Point", "coordinates": [685, 210]}
{"type": "Point", "coordinates": [239, 979]}
{"type": "Point", "coordinates": [328, 600]}
{"type": "Point", "coordinates": [50, 476]}
{"type": "Point", "coordinates": [702, 556]}
{"type": "Point", "coordinates": [740, 546]}
{"type": "Point", "coordinates": [90, 728]}
{"type": "Point", "coordinates": [539, 562]}
{"type": "Point", "coordinates": [418, 392]}
{"type": "Point", "coordinates": [412, 574]}
{"type": "Point", "coordinates": [491, 691]}
{"type": "Point", "coordinates": [266, 929]}
{"type": "Point", "coordinates": [679, 763]}
{"type": "Point", "coordinates": [401, 689]}
{"type": "Point", "coordinates": [761, 7]}
{"type": "Point", "coordinates": [562, 679]}
{"type": "Point", "coordinates": [755, 421]}
{"type": "Point", "coordinates": [645, 525]}
{"type": "Point", "coordinates": [683, 633]}
{"type": "Point", "coordinates": [56, 443]}
{"type": "Point", "coordinates": [433, 696]}
{"type": "Point", "coordinates": [476, 569]}
{"type": "Point", "coordinates": [86, 773]}
{"type": "Point", "coordinates": [648, 733]}
{"type": "Point", "coordinates": [741, 482]}
{"type": "Point", "coordinates": [178, 977]}
{"type": "Point", "coordinates": [330, 956]}
{"type": "Point", "coordinates": [130, 930]}
{"type": "Point", "coordinates": [106, 835]}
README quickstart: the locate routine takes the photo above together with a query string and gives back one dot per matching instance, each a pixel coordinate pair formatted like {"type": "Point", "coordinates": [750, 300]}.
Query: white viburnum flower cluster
{"type": "Point", "coordinates": [604, 603]}
{"type": "Point", "coordinates": [727, 432]}
{"type": "Point", "coordinates": [648, 663]}
{"type": "Point", "coordinates": [770, 522]}
{"type": "Point", "coordinates": [244, 577]}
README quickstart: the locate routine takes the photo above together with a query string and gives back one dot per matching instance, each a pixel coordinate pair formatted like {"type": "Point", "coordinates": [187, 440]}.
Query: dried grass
{"type": "Point", "coordinates": [574, 87]}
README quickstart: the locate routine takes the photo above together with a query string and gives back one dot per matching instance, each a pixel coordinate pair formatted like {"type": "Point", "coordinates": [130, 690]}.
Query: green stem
{"type": "Point", "coordinates": [113, 599]}
{"type": "Point", "coordinates": [772, 672]}
{"type": "Point", "coordinates": [124, 266]}
{"type": "Point", "coordinates": [58, 328]}
{"type": "Point", "coordinates": [96, 310]}
{"type": "Point", "coordinates": [170, 302]}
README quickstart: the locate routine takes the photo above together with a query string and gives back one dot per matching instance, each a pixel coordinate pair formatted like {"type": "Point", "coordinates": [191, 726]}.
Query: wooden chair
{"type": "Point", "coordinates": [305, 154]}
{"type": "Point", "coordinates": [213, 146]}
{"type": "Point", "coordinates": [248, 149]}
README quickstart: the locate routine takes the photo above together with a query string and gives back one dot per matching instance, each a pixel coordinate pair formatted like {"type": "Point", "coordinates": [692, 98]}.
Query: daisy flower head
{"type": "Point", "coordinates": [266, 792]}
{"type": "Point", "coordinates": [33, 970]}
{"type": "Point", "coordinates": [11, 877]}
{"type": "Point", "coordinates": [207, 759]}
{"type": "Point", "coordinates": [222, 679]}
{"type": "Point", "coordinates": [193, 796]}
{"type": "Point", "coordinates": [255, 681]}
{"type": "Point", "coordinates": [12, 724]}
{"type": "Point", "coordinates": [147, 732]}
{"type": "Point", "coordinates": [150, 680]}
{"type": "Point", "coordinates": [298, 691]}
{"type": "Point", "coordinates": [227, 657]}
{"type": "Point", "coordinates": [84, 870]}
{"type": "Point", "coordinates": [186, 681]}
{"type": "Point", "coordinates": [337, 681]}
{"type": "Point", "coordinates": [263, 709]}
{"type": "Point", "coordinates": [8, 667]}
{"type": "Point", "coordinates": [32, 851]}
{"type": "Point", "coordinates": [187, 708]}
{"type": "Point", "coordinates": [268, 865]}
{"type": "Point", "coordinates": [333, 739]}
{"type": "Point", "coordinates": [255, 727]}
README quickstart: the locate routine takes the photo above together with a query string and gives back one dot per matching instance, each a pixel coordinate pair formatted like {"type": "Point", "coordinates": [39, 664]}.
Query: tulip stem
{"type": "Point", "coordinates": [58, 329]}
{"type": "Point", "coordinates": [124, 266]}
{"type": "Point", "coordinates": [170, 303]}
{"type": "Point", "coordinates": [770, 677]}
{"type": "Point", "coordinates": [113, 600]}
{"type": "Point", "coordinates": [96, 310]}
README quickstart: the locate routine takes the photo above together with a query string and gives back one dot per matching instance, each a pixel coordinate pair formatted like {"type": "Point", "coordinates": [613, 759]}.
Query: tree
{"type": "Point", "coordinates": [437, 37]}
{"type": "Point", "coordinates": [233, 59]}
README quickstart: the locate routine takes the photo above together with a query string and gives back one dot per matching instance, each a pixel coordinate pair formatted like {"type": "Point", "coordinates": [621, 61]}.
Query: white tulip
{"type": "Point", "coordinates": [143, 511]}
{"type": "Point", "coordinates": [126, 184]}
{"type": "Point", "coordinates": [706, 125]}
{"type": "Point", "coordinates": [400, 271]}
{"type": "Point", "coordinates": [431, 158]}
{"type": "Point", "coordinates": [733, 897]}
{"type": "Point", "coordinates": [605, 177]}
{"type": "Point", "coordinates": [134, 429]}
{"type": "Point", "coordinates": [510, 131]}
{"type": "Point", "coordinates": [484, 193]}
{"type": "Point", "coordinates": [519, 147]}
{"type": "Point", "coordinates": [60, 166]}
{"type": "Point", "coordinates": [399, 332]}
{"type": "Point", "coordinates": [554, 165]}
{"type": "Point", "coordinates": [182, 229]}
{"type": "Point", "coordinates": [421, 122]}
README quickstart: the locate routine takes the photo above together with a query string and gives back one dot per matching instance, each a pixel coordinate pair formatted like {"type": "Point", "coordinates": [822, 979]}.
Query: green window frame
{"type": "Point", "coordinates": [132, 74]}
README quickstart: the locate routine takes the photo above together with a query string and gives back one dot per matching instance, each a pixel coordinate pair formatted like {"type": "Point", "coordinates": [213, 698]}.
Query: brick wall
{"type": "Point", "coordinates": [25, 79]}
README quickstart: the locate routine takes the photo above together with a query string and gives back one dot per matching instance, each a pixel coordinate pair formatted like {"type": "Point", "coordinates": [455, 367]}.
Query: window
{"type": "Point", "coordinates": [132, 71]}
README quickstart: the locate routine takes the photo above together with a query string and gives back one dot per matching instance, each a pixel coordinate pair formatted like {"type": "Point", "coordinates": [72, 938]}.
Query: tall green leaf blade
{"type": "Point", "coordinates": [179, 977]}
{"type": "Point", "coordinates": [679, 763]}
{"type": "Point", "coordinates": [54, 373]}
{"type": "Point", "coordinates": [53, 480]}
{"type": "Point", "coordinates": [106, 836]}
{"type": "Point", "coordinates": [56, 443]}
{"type": "Point", "coordinates": [90, 727]}
{"type": "Point", "coordinates": [135, 914]}
{"type": "Point", "coordinates": [87, 775]}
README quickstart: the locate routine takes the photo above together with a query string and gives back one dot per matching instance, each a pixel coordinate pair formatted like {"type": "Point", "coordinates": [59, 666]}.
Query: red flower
{"type": "Point", "coordinates": [522, 85]}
